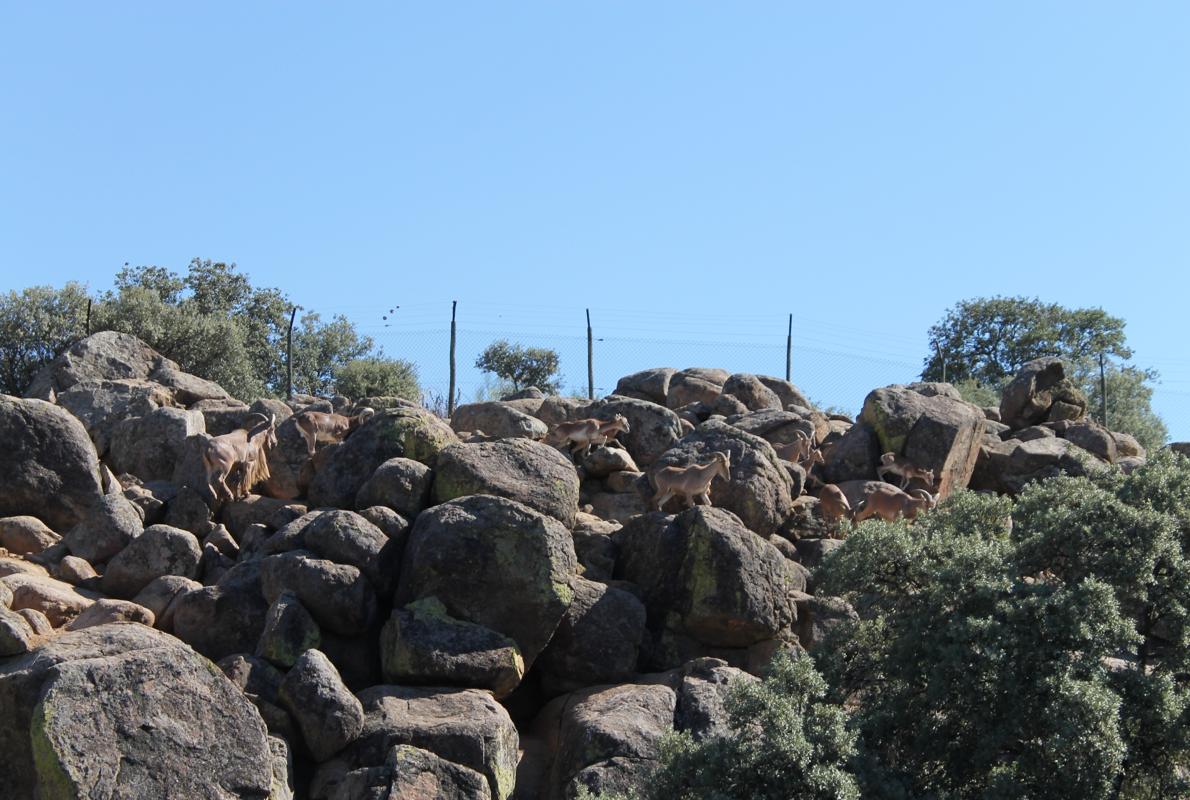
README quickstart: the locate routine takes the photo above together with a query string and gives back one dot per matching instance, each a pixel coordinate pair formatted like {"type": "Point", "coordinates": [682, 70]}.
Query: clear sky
{"type": "Point", "coordinates": [691, 171]}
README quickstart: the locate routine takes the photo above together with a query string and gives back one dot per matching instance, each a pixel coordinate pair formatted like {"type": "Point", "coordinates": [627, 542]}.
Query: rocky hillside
{"type": "Point", "coordinates": [431, 608]}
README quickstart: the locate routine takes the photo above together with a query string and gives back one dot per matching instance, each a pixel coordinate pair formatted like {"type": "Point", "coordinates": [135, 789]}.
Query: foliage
{"type": "Point", "coordinates": [212, 321]}
{"type": "Point", "coordinates": [979, 394]}
{"type": "Point", "coordinates": [1049, 656]}
{"type": "Point", "coordinates": [36, 324]}
{"type": "Point", "coordinates": [984, 343]}
{"type": "Point", "coordinates": [989, 339]}
{"type": "Point", "coordinates": [320, 348]}
{"type": "Point", "coordinates": [783, 741]}
{"type": "Point", "coordinates": [209, 346]}
{"type": "Point", "coordinates": [523, 366]}
{"type": "Point", "coordinates": [1128, 402]}
{"type": "Point", "coordinates": [373, 377]}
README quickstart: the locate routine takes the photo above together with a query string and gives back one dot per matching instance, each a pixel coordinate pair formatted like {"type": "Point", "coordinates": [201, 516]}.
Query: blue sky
{"type": "Point", "coordinates": [692, 172]}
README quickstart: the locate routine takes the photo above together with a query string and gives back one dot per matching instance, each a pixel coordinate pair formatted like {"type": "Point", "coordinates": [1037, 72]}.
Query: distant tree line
{"type": "Point", "coordinates": [212, 321]}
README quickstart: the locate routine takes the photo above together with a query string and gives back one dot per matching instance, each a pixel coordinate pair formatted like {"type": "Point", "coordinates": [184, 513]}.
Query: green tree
{"type": "Point", "coordinates": [522, 366]}
{"type": "Point", "coordinates": [985, 341]}
{"type": "Point", "coordinates": [212, 321]}
{"type": "Point", "coordinates": [1046, 658]}
{"type": "Point", "coordinates": [321, 348]}
{"type": "Point", "coordinates": [377, 376]}
{"type": "Point", "coordinates": [988, 339]}
{"type": "Point", "coordinates": [36, 324]}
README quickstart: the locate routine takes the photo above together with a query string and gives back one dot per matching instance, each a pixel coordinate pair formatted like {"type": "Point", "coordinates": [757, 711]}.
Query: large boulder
{"type": "Point", "coordinates": [226, 618]}
{"type": "Point", "coordinates": [103, 356]}
{"type": "Point", "coordinates": [26, 535]}
{"type": "Point", "coordinates": [703, 577]}
{"type": "Point", "coordinates": [760, 491]}
{"type": "Point", "coordinates": [854, 456]}
{"type": "Point", "coordinates": [519, 566]}
{"type": "Point", "coordinates": [1092, 437]}
{"type": "Point", "coordinates": [328, 714]}
{"type": "Point", "coordinates": [609, 737]}
{"type": "Point", "coordinates": [649, 384]}
{"type": "Point", "coordinates": [654, 428]}
{"type": "Point", "coordinates": [57, 600]}
{"type": "Point", "coordinates": [106, 529]}
{"type": "Point", "coordinates": [401, 484]}
{"type": "Point", "coordinates": [789, 394]}
{"type": "Point", "coordinates": [499, 419]}
{"type": "Point", "coordinates": [422, 644]}
{"type": "Point", "coordinates": [1041, 392]}
{"type": "Point", "coordinates": [598, 640]}
{"type": "Point", "coordinates": [394, 433]}
{"type": "Point", "coordinates": [749, 390]}
{"type": "Point", "coordinates": [102, 405]}
{"type": "Point", "coordinates": [160, 550]}
{"type": "Point", "coordinates": [519, 469]}
{"type": "Point", "coordinates": [149, 447]}
{"type": "Point", "coordinates": [126, 711]}
{"type": "Point", "coordinates": [289, 631]}
{"type": "Point", "coordinates": [347, 538]}
{"type": "Point", "coordinates": [48, 465]}
{"type": "Point", "coordinates": [338, 596]}
{"type": "Point", "coordinates": [464, 726]}
{"type": "Point", "coordinates": [1012, 464]}
{"type": "Point", "coordinates": [775, 426]}
{"type": "Point", "coordinates": [695, 385]}
{"type": "Point", "coordinates": [932, 431]}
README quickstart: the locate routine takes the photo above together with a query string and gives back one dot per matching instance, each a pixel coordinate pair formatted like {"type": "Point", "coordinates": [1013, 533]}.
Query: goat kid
{"type": "Point", "coordinates": [904, 468]}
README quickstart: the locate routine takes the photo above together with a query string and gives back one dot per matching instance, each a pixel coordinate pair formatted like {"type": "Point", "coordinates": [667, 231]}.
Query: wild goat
{"type": "Point", "coordinates": [906, 469]}
{"type": "Point", "coordinates": [888, 502]}
{"type": "Point", "coordinates": [588, 432]}
{"type": "Point", "coordinates": [692, 482]}
{"type": "Point", "coordinates": [798, 449]}
{"type": "Point", "coordinates": [243, 453]}
{"type": "Point", "coordinates": [833, 505]}
{"type": "Point", "coordinates": [319, 426]}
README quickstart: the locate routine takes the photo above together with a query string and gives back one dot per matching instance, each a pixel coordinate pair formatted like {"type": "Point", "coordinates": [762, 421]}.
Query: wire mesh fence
{"type": "Point", "coordinates": [834, 364]}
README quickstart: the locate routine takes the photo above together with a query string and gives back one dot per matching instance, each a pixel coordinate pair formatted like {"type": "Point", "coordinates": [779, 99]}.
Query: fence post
{"type": "Point", "coordinates": [450, 396]}
{"type": "Point", "coordinates": [942, 359]}
{"type": "Point", "coordinates": [1102, 392]}
{"type": "Point", "coordinates": [789, 351]}
{"type": "Point", "coordinates": [289, 355]}
{"type": "Point", "coordinates": [590, 360]}
{"type": "Point", "coordinates": [88, 316]}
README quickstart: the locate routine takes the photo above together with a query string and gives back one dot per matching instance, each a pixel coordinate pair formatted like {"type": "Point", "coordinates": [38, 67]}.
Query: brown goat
{"type": "Point", "coordinates": [692, 483]}
{"type": "Point", "coordinates": [907, 470]}
{"type": "Point", "coordinates": [319, 426]}
{"type": "Point", "coordinates": [798, 449]}
{"type": "Point", "coordinates": [888, 502]}
{"type": "Point", "coordinates": [587, 432]}
{"type": "Point", "coordinates": [241, 455]}
{"type": "Point", "coordinates": [833, 505]}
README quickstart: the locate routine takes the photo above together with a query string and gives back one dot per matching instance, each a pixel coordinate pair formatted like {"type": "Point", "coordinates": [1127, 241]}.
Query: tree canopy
{"type": "Point", "coordinates": [213, 321]}
{"type": "Point", "coordinates": [988, 339]}
{"type": "Point", "coordinates": [982, 343]}
{"type": "Point", "coordinates": [1049, 656]}
{"type": "Point", "coordinates": [522, 366]}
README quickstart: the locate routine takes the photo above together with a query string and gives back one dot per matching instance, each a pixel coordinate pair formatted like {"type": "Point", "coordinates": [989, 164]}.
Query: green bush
{"type": "Point", "coordinates": [371, 377]}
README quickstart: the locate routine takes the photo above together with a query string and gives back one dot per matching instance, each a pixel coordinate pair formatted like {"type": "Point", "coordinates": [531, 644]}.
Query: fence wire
{"type": "Point", "coordinates": [834, 365]}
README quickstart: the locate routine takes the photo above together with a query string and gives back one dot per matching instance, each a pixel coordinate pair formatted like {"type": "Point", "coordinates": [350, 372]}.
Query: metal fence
{"type": "Point", "coordinates": [833, 363]}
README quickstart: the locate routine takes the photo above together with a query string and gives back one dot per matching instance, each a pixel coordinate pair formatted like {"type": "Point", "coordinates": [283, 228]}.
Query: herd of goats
{"type": "Point", "coordinates": [241, 457]}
